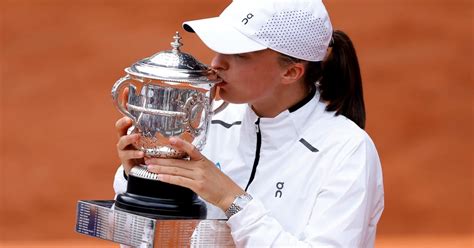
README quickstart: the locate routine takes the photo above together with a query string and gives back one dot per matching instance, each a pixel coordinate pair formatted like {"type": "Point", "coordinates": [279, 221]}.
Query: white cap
{"type": "Point", "coordinates": [298, 28]}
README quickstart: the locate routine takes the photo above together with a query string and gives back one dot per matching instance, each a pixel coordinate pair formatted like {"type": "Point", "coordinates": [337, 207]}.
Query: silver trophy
{"type": "Point", "coordinates": [169, 94]}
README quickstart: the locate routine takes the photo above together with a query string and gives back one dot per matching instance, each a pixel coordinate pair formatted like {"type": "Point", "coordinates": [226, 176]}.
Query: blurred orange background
{"type": "Point", "coordinates": [59, 60]}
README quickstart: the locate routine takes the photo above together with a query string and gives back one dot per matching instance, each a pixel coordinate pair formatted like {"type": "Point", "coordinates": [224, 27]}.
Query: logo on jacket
{"type": "Point", "coordinates": [247, 18]}
{"type": "Point", "coordinates": [279, 192]}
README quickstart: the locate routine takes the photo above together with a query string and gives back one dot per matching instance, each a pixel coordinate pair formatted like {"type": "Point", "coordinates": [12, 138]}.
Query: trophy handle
{"type": "Point", "coordinates": [117, 89]}
{"type": "Point", "coordinates": [213, 96]}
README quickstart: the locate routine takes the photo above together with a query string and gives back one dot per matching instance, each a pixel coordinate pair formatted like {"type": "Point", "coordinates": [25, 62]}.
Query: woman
{"type": "Point", "coordinates": [294, 165]}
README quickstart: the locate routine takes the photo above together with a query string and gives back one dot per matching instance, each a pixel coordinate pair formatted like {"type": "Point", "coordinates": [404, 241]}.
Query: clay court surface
{"type": "Point", "coordinates": [59, 60]}
{"type": "Point", "coordinates": [382, 242]}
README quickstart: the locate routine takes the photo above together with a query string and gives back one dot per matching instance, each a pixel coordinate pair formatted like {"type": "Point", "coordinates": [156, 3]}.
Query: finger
{"type": "Point", "coordinates": [131, 154]}
{"type": "Point", "coordinates": [178, 180]}
{"type": "Point", "coordinates": [175, 171]}
{"type": "Point", "coordinates": [122, 125]}
{"type": "Point", "coordinates": [127, 140]}
{"type": "Point", "coordinates": [168, 162]}
{"type": "Point", "coordinates": [125, 94]}
{"type": "Point", "coordinates": [187, 147]}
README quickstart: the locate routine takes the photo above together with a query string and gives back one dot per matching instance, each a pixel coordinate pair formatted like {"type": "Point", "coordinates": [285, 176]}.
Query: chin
{"type": "Point", "coordinates": [231, 98]}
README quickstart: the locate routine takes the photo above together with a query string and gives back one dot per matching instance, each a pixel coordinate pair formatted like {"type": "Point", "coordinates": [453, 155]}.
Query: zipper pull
{"type": "Point", "coordinates": [257, 125]}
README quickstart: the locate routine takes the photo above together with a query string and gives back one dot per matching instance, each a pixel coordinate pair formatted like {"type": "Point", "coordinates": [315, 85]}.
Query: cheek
{"type": "Point", "coordinates": [252, 83]}
{"type": "Point", "coordinates": [260, 79]}
{"type": "Point", "coordinates": [249, 83]}
{"type": "Point", "coordinates": [245, 87]}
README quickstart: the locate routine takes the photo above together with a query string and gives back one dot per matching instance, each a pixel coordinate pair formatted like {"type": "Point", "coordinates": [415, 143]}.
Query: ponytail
{"type": "Point", "coordinates": [338, 77]}
{"type": "Point", "coordinates": [341, 83]}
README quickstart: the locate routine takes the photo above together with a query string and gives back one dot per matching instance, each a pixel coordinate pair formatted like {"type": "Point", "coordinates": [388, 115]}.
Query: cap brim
{"type": "Point", "coordinates": [221, 37]}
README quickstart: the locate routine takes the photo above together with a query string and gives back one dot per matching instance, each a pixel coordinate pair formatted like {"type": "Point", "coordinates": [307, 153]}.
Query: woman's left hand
{"type": "Point", "coordinates": [198, 174]}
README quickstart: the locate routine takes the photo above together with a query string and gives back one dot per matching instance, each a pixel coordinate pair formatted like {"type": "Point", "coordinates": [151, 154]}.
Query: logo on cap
{"type": "Point", "coordinates": [246, 19]}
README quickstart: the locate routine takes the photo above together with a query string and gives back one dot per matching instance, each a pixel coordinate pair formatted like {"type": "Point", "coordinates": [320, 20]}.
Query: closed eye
{"type": "Point", "coordinates": [241, 55]}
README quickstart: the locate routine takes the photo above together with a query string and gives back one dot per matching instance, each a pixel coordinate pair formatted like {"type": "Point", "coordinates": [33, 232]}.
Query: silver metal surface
{"type": "Point", "coordinates": [169, 94]}
{"type": "Point", "coordinates": [173, 65]}
{"type": "Point", "coordinates": [160, 111]}
{"type": "Point", "coordinates": [99, 219]}
{"type": "Point", "coordinates": [142, 172]}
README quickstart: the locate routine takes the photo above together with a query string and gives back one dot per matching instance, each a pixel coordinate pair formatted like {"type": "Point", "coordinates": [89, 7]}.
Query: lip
{"type": "Point", "coordinates": [222, 83]}
{"type": "Point", "coordinates": [218, 76]}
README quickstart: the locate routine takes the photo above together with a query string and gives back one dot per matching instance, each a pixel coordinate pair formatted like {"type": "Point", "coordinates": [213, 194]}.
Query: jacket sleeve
{"type": "Point", "coordinates": [120, 183]}
{"type": "Point", "coordinates": [345, 212]}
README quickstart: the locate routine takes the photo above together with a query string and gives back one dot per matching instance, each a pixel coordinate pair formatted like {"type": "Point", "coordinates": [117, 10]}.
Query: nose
{"type": "Point", "coordinates": [219, 62]}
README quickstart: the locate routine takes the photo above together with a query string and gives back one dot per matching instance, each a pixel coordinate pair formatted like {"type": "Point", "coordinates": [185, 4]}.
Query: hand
{"type": "Point", "coordinates": [198, 174]}
{"type": "Point", "coordinates": [128, 155]}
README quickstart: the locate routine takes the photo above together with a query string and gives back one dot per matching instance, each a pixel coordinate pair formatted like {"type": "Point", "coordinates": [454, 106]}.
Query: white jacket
{"type": "Point", "coordinates": [317, 177]}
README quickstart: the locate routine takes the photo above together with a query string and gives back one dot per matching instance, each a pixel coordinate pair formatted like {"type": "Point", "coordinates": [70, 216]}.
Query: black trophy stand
{"type": "Point", "coordinates": [159, 200]}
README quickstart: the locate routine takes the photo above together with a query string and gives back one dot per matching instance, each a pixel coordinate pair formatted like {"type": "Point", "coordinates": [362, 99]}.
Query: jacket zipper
{"type": "Point", "coordinates": [257, 153]}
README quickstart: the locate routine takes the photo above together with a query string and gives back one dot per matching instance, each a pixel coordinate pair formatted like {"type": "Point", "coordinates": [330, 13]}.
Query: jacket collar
{"type": "Point", "coordinates": [288, 125]}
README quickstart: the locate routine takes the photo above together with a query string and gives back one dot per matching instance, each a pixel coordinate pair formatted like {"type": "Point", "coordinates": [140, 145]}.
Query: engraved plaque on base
{"type": "Point", "coordinates": [99, 219]}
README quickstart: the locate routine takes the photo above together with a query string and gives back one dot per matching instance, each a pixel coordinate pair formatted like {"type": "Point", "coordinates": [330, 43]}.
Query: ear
{"type": "Point", "coordinates": [293, 73]}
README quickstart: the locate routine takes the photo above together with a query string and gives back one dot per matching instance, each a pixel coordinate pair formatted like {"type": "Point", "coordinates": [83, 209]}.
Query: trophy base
{"type": "Point", "coordinates": [157, 208]}
{"type": "Point", "coordinates": [158, 200]}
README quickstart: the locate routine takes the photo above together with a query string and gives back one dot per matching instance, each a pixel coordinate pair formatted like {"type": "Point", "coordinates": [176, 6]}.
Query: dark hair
{"type": "Point", "coordinates": [339, 79]}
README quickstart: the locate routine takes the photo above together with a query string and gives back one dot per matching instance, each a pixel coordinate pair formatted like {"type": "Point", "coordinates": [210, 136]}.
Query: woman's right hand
{"type": "Point", "coordinates": [128, 155]}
